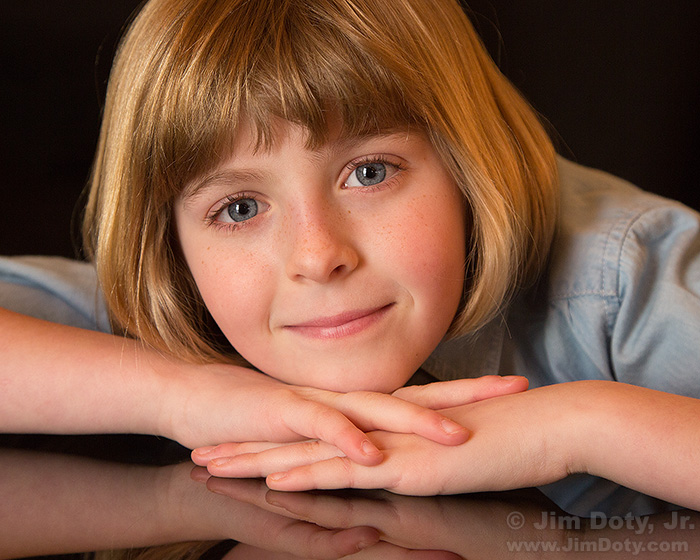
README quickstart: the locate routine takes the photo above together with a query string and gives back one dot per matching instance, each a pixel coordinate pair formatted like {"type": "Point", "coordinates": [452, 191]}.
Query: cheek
{"type": "Point", "coordinates": [234, 284]}
{"type": "Point", "coordinates": [430, 248]}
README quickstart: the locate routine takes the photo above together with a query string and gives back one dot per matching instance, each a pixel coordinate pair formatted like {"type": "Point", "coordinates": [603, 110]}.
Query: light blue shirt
{"type": "Point", "coordinates": [620, 300]}
{"type": "Point", "coordinates": [54, 289]}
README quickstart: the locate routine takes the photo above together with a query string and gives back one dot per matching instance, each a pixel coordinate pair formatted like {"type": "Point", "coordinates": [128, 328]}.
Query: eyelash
{"type": "Point", "coordinates": [212, 218]}
{"type": "Point", "coordinates": [380, 158]}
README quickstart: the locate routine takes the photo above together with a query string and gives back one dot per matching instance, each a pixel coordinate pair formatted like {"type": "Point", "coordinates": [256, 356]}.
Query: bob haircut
{"type": "Point", "coordinates": [187, 72]}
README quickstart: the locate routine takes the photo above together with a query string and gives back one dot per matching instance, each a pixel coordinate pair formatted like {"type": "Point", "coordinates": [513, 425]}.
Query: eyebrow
{"type": "Point", "coordinates": [194, 189]}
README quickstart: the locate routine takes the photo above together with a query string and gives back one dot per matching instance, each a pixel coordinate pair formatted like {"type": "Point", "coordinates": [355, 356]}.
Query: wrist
{"type": "Point", "coordinates": [173, 387]}
{"type": "Point", "coordinates": [205, 404]}
{"type": "Point", "coordinates": [582, 424]}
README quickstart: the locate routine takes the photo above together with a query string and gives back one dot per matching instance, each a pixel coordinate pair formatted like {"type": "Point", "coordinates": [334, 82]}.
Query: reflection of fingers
{"type": "Point", "coordinates": [272, 460]}
{"type": "Point", "coordinates": [199, 474]}
{"type": "Point", "coordinates": [446, 394]}
{"type": "Point", "coordinates": [242, 490]}
{"type": "Point", "coordinates": [307, 540]}
{"type": "Point", "coordinates": [336, 511]}
{"type": "Point", "coordinates": [261, 526]}
{"type": "Point", "coordinates": [387, 551]}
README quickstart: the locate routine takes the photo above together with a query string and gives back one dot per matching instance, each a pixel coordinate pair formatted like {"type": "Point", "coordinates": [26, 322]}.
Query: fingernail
{"type": "Point", "coordinates": [220, 462]}
{"type": "Point", "coordinates": [450, 427]}
{"type": "Point", "coordinates": [205, 450]}
{"type": "Point", "coordinates": [274, 502]}
{"type": "Point", "coordinates": [368, 448]}
{"type": "Point", "coordinates": [276, 477]}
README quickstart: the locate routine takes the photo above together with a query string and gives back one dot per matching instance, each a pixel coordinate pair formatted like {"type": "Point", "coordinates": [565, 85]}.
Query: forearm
{"type": "Point", "coordinates": [59, 379]}
{"type": "Point", "coordinates": [78, 505]}
{"type": "Point", "coordinates": [644, 439]}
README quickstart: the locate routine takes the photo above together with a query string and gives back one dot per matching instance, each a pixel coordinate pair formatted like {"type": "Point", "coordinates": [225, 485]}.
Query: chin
{"type": "Point", "coordinates": [376, 377]}
{"type": "Point", "coordinates": [351, 381]}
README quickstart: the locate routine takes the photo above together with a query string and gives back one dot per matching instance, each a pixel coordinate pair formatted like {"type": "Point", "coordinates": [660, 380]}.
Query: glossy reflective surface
{"type": "Point", "coordinates": [55, 503]}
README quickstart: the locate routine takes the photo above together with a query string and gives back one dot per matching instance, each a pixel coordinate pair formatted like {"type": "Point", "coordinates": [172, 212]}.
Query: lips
{"type": "Point", "coordinates": [341, 325]}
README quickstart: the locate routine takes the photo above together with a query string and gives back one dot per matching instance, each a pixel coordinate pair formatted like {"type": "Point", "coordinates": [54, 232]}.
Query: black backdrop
{"type": "Point", "coordinates": [619, 81]}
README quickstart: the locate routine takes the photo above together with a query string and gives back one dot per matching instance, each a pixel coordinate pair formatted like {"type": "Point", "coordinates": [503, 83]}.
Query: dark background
{"type": "Point", "coordinates": [618, 81]}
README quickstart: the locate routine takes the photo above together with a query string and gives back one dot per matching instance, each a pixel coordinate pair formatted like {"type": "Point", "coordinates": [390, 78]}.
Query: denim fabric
{"type": "Point", "coordinates": [54, 289]}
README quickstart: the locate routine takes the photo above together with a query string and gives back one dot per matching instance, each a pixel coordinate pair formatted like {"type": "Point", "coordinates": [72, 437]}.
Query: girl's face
{"type": "Point", "coordinates": [340, 267]}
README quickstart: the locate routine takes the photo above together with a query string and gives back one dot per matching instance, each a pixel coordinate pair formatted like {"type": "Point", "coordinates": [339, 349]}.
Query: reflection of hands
{"type": "Point", "coordinates": [274, 531]}
{"type": "Point", "coordinates": [77, 505]}
{"type": "Point", "coordinates": [477, 527]}
{"type": "Point", "coordinates": [335, 419]}
{"type": "Point", "coordinates": [327, 532]}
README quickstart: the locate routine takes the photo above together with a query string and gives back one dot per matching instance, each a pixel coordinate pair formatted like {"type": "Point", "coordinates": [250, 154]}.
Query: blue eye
{"type": "Point", "coordinates": [242, 209]}
{"type": "Point", "coordinates": [367, 175]}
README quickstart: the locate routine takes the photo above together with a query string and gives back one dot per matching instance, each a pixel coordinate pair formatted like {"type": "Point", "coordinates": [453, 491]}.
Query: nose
{"type": "Point", "coordinates": [321, 245]}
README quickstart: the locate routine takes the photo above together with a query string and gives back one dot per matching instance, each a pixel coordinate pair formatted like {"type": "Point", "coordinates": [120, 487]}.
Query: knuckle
{"type": "Point", "coordinates": [347, 468]}
{"type": "Point", "coordinates": [327, 419]}
{"type": "Point", "coordinates": [430, 418]}
{"type": "Point", "coordinates": [310, 447]}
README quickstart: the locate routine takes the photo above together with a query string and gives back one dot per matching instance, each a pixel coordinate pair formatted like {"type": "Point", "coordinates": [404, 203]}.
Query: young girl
{"type": "Point", "coordinates": [295, 206]}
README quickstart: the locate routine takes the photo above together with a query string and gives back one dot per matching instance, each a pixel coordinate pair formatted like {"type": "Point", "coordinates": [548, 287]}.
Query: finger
{"type": "Point", "coordinates": [379, 411]}
{"type": "Point", "coordinates": [338, 472]}
{"type": "Point", "coordinates": [446, 394]}
{"type": "Point", "coordinates": [281, 458]}
{"type": "Point", "coordinates": [202, 455]}
{"type": "Point", "coordinates": [319, 421]}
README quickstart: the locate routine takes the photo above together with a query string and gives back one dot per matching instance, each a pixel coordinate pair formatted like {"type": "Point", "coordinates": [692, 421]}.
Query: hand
{"type": "Point", "coordinates": [269, 411]}
{"type": "Point", "coordinates": [516, 440]}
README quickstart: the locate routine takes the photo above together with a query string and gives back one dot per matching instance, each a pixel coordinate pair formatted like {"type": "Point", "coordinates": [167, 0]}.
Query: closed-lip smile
{"type": "Point", "coordinates": [340, 325]}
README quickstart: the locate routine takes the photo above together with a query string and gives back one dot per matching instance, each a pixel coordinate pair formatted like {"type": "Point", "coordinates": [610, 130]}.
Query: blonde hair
{"type": "Point", "coordinates": [188, 72]}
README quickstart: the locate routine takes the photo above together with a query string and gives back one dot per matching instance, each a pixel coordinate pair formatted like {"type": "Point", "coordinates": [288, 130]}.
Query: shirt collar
{"type": "Point", "coordinates": [471, 355]}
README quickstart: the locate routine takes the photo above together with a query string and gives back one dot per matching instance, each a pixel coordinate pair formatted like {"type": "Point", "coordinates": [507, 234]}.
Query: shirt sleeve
{"type": "Point", "coordinates": [655, 337]}
{"type": "Point", "coordinates": [54, 289]}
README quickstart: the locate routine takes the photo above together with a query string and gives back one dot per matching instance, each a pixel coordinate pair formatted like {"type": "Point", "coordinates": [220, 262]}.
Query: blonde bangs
{"type": "Point", "coordinates": [210, 77]}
